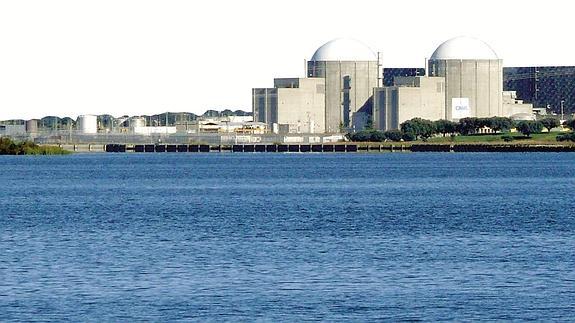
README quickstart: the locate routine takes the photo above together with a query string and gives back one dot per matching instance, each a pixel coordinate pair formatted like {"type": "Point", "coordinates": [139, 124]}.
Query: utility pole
{"type": "Point", "coordinates": [562, 114]}
{"type": "Point", "coordinates": [536, 79]}
{"type": "Point", "coordinates": [379, 70]}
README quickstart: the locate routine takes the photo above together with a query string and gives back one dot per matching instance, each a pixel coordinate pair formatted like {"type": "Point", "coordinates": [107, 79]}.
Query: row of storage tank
{"type": "Point", "coordinates": [87, 124]}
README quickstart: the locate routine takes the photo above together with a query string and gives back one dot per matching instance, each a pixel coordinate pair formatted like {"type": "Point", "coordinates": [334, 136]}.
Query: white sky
{"type": "Point", "coordinates": [141, 57]}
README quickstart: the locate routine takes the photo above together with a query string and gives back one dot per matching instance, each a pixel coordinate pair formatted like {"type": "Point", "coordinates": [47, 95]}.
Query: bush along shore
{"type": "Point", "coordinates": [9, 147]}
{"type": "Point", "coordinates": [472, 130]}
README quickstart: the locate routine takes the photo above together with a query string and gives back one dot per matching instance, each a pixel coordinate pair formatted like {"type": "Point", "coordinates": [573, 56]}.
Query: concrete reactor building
{"type": "Point", "coordinates": [465, 80]}
{"type": "Point", "coordinates": [336, 94]}
{"type": "Point", "coordinates": [342, 92]}
{"type": "Point", "coordinates": [351, 71]}
{"type": "Point", "coordinates": [473, 78]}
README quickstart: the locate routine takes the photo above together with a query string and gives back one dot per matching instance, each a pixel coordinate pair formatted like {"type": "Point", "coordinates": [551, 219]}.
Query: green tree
{"type": "Point", "coordinates": [367, 135]}
{"type": "Point", "coordinates": [7, 147]}
{"type": "Point", "coordinates": [499, 124]}
{"type": "Point", "coordinates": [445, 127]}
{"type": "Point", "coordinates": [550, 123]}
{"type": "Point", "coordinates": [566, 137]}
{"type": "Point", "coordinates": [341, 127]}
{"type": "Point", "coordinates": [420, 128]}
{"type": "Point", "coordinates": [393, 135]}
{"type": "Point", "coordinates": [377, 136]}
{"type": "Point", "coordinates": [483, 122]}
{"type": "Point", "coordinates": [468, 126]}
{"type": "Point", "coordinates": [408, 136]}
{"type": "Point", "coordinates": [570, 124]}
{"type": "Point", "coordinates": [360, 136]}
{"type": "Point", "coordinates": [529, 127]}
{"type": "Point", "coordinates": [369, 124]}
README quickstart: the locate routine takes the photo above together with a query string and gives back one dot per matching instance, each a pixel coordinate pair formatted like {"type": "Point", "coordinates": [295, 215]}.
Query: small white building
{"type": "Point", "coordinates": [154, 130]}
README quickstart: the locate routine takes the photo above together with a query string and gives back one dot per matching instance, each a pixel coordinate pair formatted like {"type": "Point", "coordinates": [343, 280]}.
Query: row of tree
{"type": "Point", "coordinates": [418, 128]}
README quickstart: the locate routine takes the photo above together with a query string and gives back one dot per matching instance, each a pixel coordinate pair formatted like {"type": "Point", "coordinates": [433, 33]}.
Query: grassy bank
{"type": "Point", "coordinates": [536, 138]}
{"type": "Point", "coordinates": [9, 147]}
{"type": "Point", "coordinates": [545, 138]}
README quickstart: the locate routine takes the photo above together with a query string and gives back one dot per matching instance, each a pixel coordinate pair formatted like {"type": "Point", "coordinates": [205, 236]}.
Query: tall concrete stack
{"type": "Point", "coordinates": [350, 70]}
{"type": "Point", "coordinates": [473, 78]}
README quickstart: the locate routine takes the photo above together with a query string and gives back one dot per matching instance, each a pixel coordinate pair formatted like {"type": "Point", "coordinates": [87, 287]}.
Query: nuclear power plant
{"type": "Point", "coordinates": [343, 90]}
{"type": "Point", "coordinates": [345, 87]}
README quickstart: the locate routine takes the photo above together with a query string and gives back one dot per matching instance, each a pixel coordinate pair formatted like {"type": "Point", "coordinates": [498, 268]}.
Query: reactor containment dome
{"type": "Point", "coordinates": [464, 48]}
{"type": "Point", "coordinates": [344, 50]}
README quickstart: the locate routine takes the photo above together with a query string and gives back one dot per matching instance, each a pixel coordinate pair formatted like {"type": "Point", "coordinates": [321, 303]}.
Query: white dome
{"type": "Point", "coordinates": [464, 48]}
{"type": "Point", "coordinates": [344, 49]}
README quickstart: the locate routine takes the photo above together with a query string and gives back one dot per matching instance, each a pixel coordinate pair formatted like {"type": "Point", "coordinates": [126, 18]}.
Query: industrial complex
{"type": "Point", "coordinates": [345, 89]}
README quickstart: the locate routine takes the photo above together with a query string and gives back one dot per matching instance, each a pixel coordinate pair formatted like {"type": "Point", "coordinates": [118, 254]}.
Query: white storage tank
{"type": "Point", "coordinates": [32, 126]}
{"type": "Point", "coordinates": [87, 124]}
{"type": "Point", "coordinates": [137, 122]}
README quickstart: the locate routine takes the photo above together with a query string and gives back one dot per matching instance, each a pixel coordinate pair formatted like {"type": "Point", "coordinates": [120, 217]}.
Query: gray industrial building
{"type": "Point", "coordinates": [12, 130]}
{"type": "Point", "coordinates": [464, 79]}
{"type": "Point", "coordinates": [390, 73]}
{"type": "Point", "coordinates": [342, 72]}
{"type": "Point", "coordinates": [410, 97]}
{"type": "Point", "coordinates": [351, 71]}
{"type": "Point", "coordinates": [550, 87]}
{"type": "Point", "coordinates": [293, 105]}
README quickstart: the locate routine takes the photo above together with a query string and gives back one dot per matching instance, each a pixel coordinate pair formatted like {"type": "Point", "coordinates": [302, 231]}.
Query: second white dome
{"type": "Point", "coordinates": [344, 49]}
{"type": "Point", "coordinates": [464, 47]}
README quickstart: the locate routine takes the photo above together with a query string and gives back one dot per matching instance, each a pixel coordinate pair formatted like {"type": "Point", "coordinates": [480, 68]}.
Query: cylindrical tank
{"type": "Point", "coordinates": [32, 126]}
{"type": "Point", "coordinates": [87, 124]}
{"type": "Point", "coordinates": [473, 78]}
{"type": "Point", "coordinates": [137, 122]}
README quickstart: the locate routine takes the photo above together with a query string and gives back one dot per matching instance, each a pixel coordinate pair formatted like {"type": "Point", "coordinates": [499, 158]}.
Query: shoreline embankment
{"type": "Point", "coordinates": [319, 148]}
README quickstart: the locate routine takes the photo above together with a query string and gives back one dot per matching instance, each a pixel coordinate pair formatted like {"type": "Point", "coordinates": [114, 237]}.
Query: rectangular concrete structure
{"type": "Point", "coordinates": [480, 81]}
{"type": "Point", "coordinates": [411, 97]}
{"type": "Point", "coordinates": [294, 105]}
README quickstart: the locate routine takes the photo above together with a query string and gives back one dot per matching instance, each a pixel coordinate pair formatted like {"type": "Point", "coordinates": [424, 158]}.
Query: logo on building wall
{"type": "Point", "coordinates": [460, 108]}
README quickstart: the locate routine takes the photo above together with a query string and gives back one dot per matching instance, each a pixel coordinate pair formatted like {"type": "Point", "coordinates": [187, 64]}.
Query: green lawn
{"type": "Point", "coordinates": [539, 138]}
{"type": "Point", "coordinates": [545, 137]}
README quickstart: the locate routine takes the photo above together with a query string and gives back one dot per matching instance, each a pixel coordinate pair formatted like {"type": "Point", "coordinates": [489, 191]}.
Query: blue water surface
{"type": "Point", "coordinates": [287, 237]}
